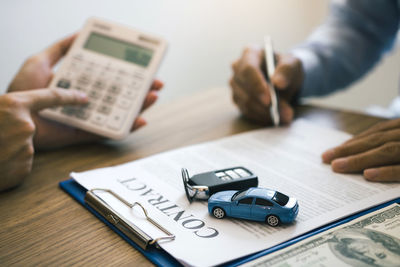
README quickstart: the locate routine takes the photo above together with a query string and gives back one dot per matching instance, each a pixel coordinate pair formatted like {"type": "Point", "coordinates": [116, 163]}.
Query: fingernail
{"type": "Point", "coordinates": [371, 174]}
{"type": "Point", "coordinates": [328, 155]}
{"type": "Point", "coordinates": [82, 95]}
{"type": "Point", "coordinates": [339, 165]}
{"type": "Point", "coordinates": [154, 95]}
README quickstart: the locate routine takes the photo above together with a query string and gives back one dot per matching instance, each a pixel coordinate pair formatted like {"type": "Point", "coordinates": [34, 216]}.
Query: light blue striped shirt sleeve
{"type": "Point", "coordinates": [351, 41]}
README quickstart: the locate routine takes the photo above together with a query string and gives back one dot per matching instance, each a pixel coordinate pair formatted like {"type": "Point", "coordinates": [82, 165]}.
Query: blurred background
{"type": "Point", "coordinates": [204, 38]}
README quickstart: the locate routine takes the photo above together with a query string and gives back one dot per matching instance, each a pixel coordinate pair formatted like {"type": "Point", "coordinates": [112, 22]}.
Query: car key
{"type": "Point", "coordinates": [203, 185]}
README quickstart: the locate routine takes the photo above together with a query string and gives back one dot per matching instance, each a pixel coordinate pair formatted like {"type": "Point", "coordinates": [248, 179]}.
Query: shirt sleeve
{"type": "Point", "coordinates": [351, 41]}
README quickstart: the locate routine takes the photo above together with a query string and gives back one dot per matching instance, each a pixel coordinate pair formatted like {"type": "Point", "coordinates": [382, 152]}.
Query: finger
{"type": "Point", "coordinates": [286, 72]}
{"type": "Point", "coordinates": [250, 76]}
{"type": "Point", "coordinates": [250, 106]}
{"type": "Point", "coordinates": [362, 144]}
{"type": "Point", "coordinates": [239, 94]}
{"type": "Point", "coordinates": [283, 75]}
{"type": "Point", "coordinates": [150, 99]}
{"type": "Point", "coordinates": [50, 97]}
{"type": "Point", "coordinates": [251, 55]}
{"type": "Point", "coordinates": [139, 122]}
{"type": "Point", "coordinates": [383, 174]}
{"type": "Point", "coordinates": [387, 154]}
{"type": "Point", "coordinates": [286, 112]}
{"type": "Point", "coordinates": [157, 85]}
{"type": "Point", "coordinates": [382, 126]}
{"type": "Point", "coordinates": [56, 51]}
{"type": "Point", "coordinates": [235, 65]}
{"type": "Point", "coordinates": [257, 111]}
{"type": "Point", "coordinates": [257, 114]}
{"type": "Point", "coordinates": [253, 80]}
{"type": "Point", "coordinates": [254, 111]}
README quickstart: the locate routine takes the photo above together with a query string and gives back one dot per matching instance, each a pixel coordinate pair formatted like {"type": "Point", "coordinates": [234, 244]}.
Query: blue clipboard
{"type": "Point", "coordinates": [161, 258]}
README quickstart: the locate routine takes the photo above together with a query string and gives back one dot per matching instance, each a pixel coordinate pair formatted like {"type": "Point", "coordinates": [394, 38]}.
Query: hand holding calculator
{"type": "Point", "coordinates": [114, 65]}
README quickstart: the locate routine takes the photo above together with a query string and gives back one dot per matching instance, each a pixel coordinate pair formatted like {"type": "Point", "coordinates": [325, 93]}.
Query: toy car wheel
{"type": "Point", "coordinates": [273, 220]}
{"type": "Point", "coordinates": [218, 213]}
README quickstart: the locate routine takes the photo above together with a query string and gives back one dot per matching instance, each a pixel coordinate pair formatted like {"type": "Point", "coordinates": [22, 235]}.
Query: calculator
{"type": "Point", "coordinates": [115, 66]}
{"type": "Point", "coordinates": [203, 185]}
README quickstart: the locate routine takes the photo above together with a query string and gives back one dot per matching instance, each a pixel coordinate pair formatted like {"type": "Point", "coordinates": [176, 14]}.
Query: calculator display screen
{"type": "Point", "coordinates": [119, 49]}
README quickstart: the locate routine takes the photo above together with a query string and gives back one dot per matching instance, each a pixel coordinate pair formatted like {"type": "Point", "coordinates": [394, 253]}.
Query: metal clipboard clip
{"type": "Point", "coordinates": [128, 228]}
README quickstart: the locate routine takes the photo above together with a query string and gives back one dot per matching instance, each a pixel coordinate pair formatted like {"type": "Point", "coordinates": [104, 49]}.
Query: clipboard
{"type": "Point", "coordinates": [160, 257]}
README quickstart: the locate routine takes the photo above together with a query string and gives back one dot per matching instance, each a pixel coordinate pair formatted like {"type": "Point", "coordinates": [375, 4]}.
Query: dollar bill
{"type": "Point", "coordinates": [370, 240]}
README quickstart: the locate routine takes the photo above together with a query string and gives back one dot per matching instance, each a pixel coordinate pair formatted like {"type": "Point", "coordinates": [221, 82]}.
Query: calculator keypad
{"type": "Point", "coordinates": [111, 90]}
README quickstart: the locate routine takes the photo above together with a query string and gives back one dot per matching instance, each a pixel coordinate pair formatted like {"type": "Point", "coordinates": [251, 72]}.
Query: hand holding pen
{"type": "Point", "coordinates": [251, 86]}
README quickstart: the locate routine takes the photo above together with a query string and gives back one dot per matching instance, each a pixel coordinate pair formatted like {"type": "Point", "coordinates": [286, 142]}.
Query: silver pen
{"type": "Point", "coordinates": [270, 64]}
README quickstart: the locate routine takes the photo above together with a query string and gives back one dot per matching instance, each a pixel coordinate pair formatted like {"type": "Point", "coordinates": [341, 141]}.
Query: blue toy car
{"type": "Point", "coordinates": [255, 203]}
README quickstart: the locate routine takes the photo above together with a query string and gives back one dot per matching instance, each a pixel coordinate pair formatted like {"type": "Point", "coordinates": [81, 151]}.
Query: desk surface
{"type": "Point", "coordinates": [41, 225]}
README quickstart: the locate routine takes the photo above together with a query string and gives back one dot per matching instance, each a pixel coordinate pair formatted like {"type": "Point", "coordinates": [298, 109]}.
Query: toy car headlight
{"type": "Point", "coordinates": [193, 191]}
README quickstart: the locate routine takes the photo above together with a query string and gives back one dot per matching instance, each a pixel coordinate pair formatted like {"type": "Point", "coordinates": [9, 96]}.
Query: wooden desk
{"type": "Point", "coordinates": [42, 225]}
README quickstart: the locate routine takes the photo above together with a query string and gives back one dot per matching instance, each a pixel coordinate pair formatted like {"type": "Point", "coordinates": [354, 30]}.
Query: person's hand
{"type": "Point", "coordinates": [18, 128]}
{"type": "Point", "coordinates": [250, 88]}
{"type": "Point", "coordinates": [37, 72]}
{"type": "Point", "coordinates": [375, 152]}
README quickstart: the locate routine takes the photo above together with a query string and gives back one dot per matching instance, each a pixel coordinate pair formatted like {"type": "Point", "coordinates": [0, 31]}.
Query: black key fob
{"type": "Point", "coordinates": [203, 185]}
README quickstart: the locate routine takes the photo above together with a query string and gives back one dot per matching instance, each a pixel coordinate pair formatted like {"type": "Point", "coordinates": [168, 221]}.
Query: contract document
{"type": "Point", "coordinates": [286, 159]}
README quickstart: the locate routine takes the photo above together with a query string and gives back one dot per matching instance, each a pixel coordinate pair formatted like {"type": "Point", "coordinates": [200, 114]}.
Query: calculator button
{"type": "Point", "coordinates": [83, 114]}
{"type": "Point", "coordinates": [116, 119]}
{"type": "Point", "coordinates": [75, 65]}
{"type": "Point", "coordinates": [119, 80]}
{"type": "Point", "coordinates": [109, 99]}
{"type": "Point", "coordinates": [233, 174]}
{"type": "Point", "coordinates": [138, 75]}
{"type": "Point", "coordinates": [220, 174]}
{"type": "Point", "coordinates": [98, 119]}
{"type": "Point", "coordinates": [104, 109]}
{"type": "Point", "coordinates": [124, 103]}
{"type": "Point", "coordinates": [84, 79]}
{"type": "Point", "coordinates": [90, 106]}
{"type": "Point", "coordinates": [242, 172]}
{"type": "Point", "coordinates": [135, 84]}
{"type": "Point", "coordinates": [64, 83]}
{"type": "Point", "coordinates": [115, 89]}
{"type": "Point", "coordinates": [80, 88]}
{"type": "Point", "coordinates": [94, 94]}
{"type": "Point", "coordinates": [78, 57]}
{"type": "Point", "coordinates": [105, 75]}
{"type": "Point", "coordinates": [109, 70]}
{"type": "Point", "coordinates": [130, 93]}
{"type": "Point", "coordinates": [140, 71]}
{"type": "Point", "coordinates": [68, 110]}
{"type": "Point", "coordinates": [122, 72]}
{"type": "Point", "coordinates": [99, 84]}
{"type": "Point", "coordinates": [92, 64]}
{"type": "Point", "coordinates": [69, 75]}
